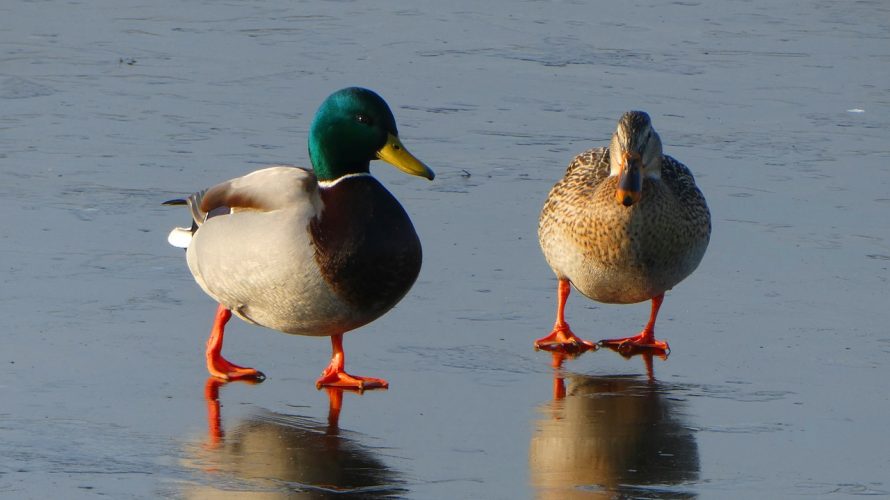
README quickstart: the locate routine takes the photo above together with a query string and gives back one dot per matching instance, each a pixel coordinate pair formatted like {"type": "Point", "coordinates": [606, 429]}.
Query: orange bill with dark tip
{"type": "Point", "coordinates": [630, 180]}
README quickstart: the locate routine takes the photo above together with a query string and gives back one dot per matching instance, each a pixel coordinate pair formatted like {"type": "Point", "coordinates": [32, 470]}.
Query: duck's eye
{"type": "Point", "coordinates": [365, 119]}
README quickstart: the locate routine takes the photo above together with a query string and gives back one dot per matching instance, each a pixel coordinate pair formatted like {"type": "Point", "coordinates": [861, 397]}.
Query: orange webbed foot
{"type": "Point", "coordinates": [332, 377]}
{"type": "Point", "coordinates": [219, 366]}
{"type": "Point", "coordinates": [644, 342]}
{"type": "Point", "coordinates": [563, 340]}
{"type": "Point", "coordinates": [223, 369]}
{"type": "Point", "coordinates": [335, 374]}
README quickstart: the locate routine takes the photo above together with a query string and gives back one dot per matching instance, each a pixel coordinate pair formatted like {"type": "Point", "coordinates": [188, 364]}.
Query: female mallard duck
{"type": "Point", "coordinates": [318, 252]}
{"type": "Point", "coordinates": [625, 224]}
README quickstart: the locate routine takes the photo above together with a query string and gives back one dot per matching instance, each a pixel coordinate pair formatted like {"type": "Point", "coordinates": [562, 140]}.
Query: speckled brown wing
{"type": "Point", "coordinates": [585, 172]}
{"type": "Point", "coordinates": [681, 182]}
{"type": "Point", "coordinates": [567, 203]}
{"type": "Point", "coordinates": [589, 168]}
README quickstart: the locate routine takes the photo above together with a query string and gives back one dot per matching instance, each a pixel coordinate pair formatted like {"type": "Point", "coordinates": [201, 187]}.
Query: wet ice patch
{"type": "Point", "coordinates": [14, 87]}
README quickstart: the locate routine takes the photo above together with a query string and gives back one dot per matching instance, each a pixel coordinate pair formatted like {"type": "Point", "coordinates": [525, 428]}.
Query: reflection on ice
{"type": "Point", "coordinates": [272, 455]}
{"type": "Point", "coordinates": [612, 435]}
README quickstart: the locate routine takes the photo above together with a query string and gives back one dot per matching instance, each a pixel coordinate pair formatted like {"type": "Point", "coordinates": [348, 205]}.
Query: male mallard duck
{"type": "Point", "coordinates": [625, 224]}
{"type": "Point", "coordinates": [318, 252]}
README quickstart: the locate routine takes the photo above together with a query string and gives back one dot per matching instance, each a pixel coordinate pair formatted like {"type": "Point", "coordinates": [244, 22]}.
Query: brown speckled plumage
{"type": "Point", "coordinates": [618, 254]}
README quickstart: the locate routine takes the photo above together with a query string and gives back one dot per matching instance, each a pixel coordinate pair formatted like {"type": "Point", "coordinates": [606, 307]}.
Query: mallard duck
{"type": "Point", "coordinates": [625, 224]}
{"type": "Point", "coordinates": [318, 252]}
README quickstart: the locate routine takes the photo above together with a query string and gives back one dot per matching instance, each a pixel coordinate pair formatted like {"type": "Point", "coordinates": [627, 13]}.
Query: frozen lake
{"type": "Point", "coordinates": [777, 383]}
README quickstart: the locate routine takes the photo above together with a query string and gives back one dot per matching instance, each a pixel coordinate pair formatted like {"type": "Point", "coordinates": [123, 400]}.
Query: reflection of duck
{"type": "Point", "coordinates": [309, 253]}
{"type": "Point", "coordinates": [273, 455]}
{"type": "Point", "coordinates": [611, 435]}
{"type": "Point", "coordinates": [625, 224]}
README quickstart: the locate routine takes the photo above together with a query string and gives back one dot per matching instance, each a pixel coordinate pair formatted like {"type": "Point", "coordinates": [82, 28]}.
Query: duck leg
{"type": "Point", "coordinates": [219, 366]}
{"type": "Point", "coordinates": [335, 375]}
{"type": "Point", "coordinates": [562, 339]}
{"type": "Point", "coordinates": [645, 340]}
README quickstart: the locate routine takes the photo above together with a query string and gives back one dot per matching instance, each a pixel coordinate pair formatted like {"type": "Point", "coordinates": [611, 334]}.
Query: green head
{"type": "Point", "coordinates": [352, 127]}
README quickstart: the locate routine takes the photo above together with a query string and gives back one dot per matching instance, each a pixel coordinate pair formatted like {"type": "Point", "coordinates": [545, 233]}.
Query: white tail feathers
{"type": "Point", "coordinates": [180, 237]}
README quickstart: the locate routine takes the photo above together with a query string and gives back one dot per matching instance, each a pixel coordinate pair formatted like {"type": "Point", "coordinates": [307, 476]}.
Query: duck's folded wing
{"type": "Point", "coordinates": [263, 190]}
{"type": "Point", "coordinates": [680, 180]}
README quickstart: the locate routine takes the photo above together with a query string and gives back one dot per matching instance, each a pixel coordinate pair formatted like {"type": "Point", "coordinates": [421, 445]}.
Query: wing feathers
{"type": "Point", "coordinates": [264, 190]}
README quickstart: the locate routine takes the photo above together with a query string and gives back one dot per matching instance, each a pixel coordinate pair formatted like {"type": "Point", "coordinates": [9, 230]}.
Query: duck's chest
{"type": "Point", "coordinates": [365, 245]}
{"type": "Point", "coordinates": [615, 233]}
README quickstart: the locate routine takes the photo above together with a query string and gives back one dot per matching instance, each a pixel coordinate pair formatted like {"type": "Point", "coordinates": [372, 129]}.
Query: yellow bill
{"type": "Point", "coordinates": [395, 154]}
